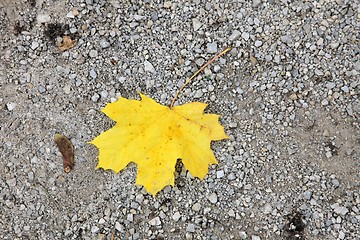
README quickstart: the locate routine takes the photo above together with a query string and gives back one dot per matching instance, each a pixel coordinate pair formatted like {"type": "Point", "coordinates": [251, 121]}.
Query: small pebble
{"type": "Point", "coordinates": [104, 44]}
{"type": "Point", "coordinates": [93, 53]}
{"type": "Point", "coordinates": [219, 174]}
{"type": "Point", "coordinates": [190, 228]}
{"type": "Point", "coordinates": [196, 207]}
{"type": "Point", "coordinates": [176, 216]}
{"type": "Point", "coordinates": [167, 4]}
{"type": "Point", "coordinates": [245, 36]}
{"type": "Point", "coordinates": [67, 89]}
{"type": "Point", "coordinates": [93, 74]}
{"type": "Point", "coordinates": [324, 102]}
{"type": "Point", "coordinates": [11, 182]}
{"type": "Point", "coordinates": [258, 43]}
{"type": "Point", "coordinates": [34, 45]}
{"type": "Point", "coordinates": [148, 67]}
{"type": "Point", "coordinates": [10, 106]}
{"type": "Point", "coordinates": [235, 35]}
{"type": "Point", "coordinates": [94, 229]}
{"type": "Point", "coordinates": [199, 93]}
{"type": "Point", "coordinates": [43, 18]}
{"type": "Point", "coordinates": [212, 198]}
{"type": "Point", "coordinates": [196, 24]}
{"type": "Point", "coordinates": [212, 47]}
{"type": "Point", "coordinates": [155, 221]}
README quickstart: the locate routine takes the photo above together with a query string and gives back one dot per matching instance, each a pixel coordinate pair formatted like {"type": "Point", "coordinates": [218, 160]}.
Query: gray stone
{"type": "Point", "coordinates": [213, 197]}
{"type": "Point", "coordinates": [219, 174]}
{"type": "Point", "coordinates": [256, 3]}
{"type": "Point", "coordinates": [345, 89]}
{"type": "Point", "coordinates": [190, 228]}
{"type": "Point", "coordinates": [122, 79]}
{"type": "Point", "coordinates": [200, 61]}
{"type": "Point", "coordinates": [155, 221]}
{"type": "Point", "coordinates": [335, 183]}
{"type": "Point", "coordinates": [258, 43]}
{"type": "Point", "coordinates": [34, 45]}
{"type": "Point", "coordinates": [95, 97]}
{"type": "Point", "coordinates": [119, 227]}
{"type": "Point", "coordinates": [93, 73]}
{"type": "Point", "coordinates": [245, 36]}
{"type": "Point", "coordinates": [196, 24]}
{"type": "Point", "coordinates": [324, 102]}
{"type": "Point", "coordinates": [67, 89]}
{"type": "Point", "coordinates": [330, 85]}
{"type": "Point", "coordinates": [176, 216]}
{"type": "Point", "coordinates": [235, 35]}
{"type": "Point", "coordinates": [148, 67]}
{"type": "Point", "coordinates": [11, 182]}
{"type": "Point", "coordinates": [104, 94]}
{"type": "Point", "coordinates": [43, 18]}
{"type": "Point", "coordinates": [70, 14]}
{"type": "Point", "coordinates": [242, 235]}
{"type": "Point", "coordinates": [199, 93]}
{"type": "Point", "coordinates": [93, 53]}
{"type": "Point", "coordinates": [339, 210]}
{"type": "Point", "coordinates": [212, 47]}
{"type": "Point", "coordinates": [104, 44]}
{"type": "Point", "coordinates": [196, 207]}
{"type": "Point", "coordinates": [168, 4]}
{"type": "Point", "coordinates": [94, 229]}
{"type": "Point", "coordinates": [10, 106]}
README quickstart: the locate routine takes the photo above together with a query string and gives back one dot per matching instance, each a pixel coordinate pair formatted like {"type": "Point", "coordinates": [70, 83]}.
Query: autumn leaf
{"type": "Point", "coordinates": [66, 149]}
{"type": "Point", "coordinates": [154, 136]}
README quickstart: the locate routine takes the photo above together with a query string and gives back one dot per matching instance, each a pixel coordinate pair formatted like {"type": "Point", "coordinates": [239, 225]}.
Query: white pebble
{"type": "Point", "coordinates": [219, 174]}
{"type": "Point", "coordinates": [10, 106]}
{"type": "Point", "coordinates": [148, 67]}
{"type": "Point", "coordinates": [155, 221]}
{"type": "Point", "coordinates": [245, 36]}
{"type": "Point", "coordinates": [258, 43]}
{"type": "Point", "coordinates": [199, 93]}
{"type": "Point", "coordinates": [212, 198]}
{"type": "Point", "coordinates": [176, 216]}
{"type": "Point", "coordinates": [67, 89]}
{"type": "Point", "coordinates": [196, 207]}
{"type": "Point", "coordinates": [167, 4]}
{"type": "Point", "coordinates": [324, 102]}
{"type": "Point", "coordinates": [34, 45]}
{"type": "Point", "coordinates": [235, 35]}
{"type": "Point", "coordinates": [190, 227]}
{"type": "Point", "coordinates": [212, 47]}
{"type": "Point", "coordinates": [94, 229]}
{"type": "Point", "coordinates": [43, 18]}
{"type": "Point", "coordinates": [93, 53]}
{"type": "Point", "coordinates": [196, 24]}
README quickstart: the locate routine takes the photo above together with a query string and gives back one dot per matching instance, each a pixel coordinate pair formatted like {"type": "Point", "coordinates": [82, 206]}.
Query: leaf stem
{"type": "Point", "coordinates": [198, 71]}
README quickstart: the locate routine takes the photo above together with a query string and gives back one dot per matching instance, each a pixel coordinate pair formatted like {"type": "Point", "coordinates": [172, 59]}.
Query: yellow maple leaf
{"type": "Point", "coordinates": [154, 136]}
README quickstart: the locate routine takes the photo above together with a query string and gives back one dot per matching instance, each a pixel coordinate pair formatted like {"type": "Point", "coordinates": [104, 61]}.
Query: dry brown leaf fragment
{"type": "Point", "coordinates": [67, 151]}
{"type": "Point", "coordinates": [66, 43]}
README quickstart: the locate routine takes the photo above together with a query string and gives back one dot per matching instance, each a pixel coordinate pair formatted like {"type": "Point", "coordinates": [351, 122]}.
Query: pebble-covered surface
{"type": "Point", "coordinates": [288, 95]}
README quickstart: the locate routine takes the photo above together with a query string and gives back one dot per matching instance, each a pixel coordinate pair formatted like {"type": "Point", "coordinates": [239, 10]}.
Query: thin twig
{"type": "Point", "coordinates": [198, 71]}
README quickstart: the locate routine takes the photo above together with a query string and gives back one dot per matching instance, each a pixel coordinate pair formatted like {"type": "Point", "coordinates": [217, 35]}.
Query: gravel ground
{"type": "Point", "coordinates": [288, 94]}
